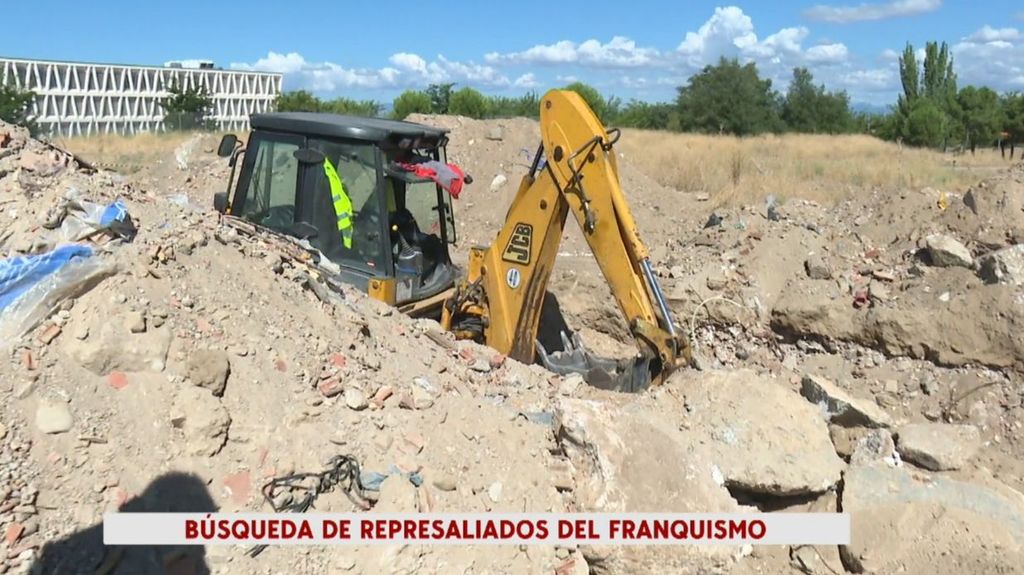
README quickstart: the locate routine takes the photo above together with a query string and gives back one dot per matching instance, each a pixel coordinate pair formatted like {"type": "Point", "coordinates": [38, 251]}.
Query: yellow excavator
{"type": "Point", "coordinates": [389, 236]}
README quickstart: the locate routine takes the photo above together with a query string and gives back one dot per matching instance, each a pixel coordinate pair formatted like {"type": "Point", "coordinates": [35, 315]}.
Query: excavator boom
{"type": "Point", "coordinates": [499, 302]}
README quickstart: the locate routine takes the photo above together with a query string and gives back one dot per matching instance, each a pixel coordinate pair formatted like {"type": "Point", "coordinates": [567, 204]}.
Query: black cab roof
{"type": "Point", "coordinates": [385, 133]}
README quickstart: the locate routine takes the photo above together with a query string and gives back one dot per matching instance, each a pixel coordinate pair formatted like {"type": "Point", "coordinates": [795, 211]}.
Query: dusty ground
{"type": "Point", "coordinates": [206, 365]}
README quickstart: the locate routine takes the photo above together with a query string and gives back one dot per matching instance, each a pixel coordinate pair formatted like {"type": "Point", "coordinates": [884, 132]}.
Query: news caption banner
{"type": "Point", "coordinates": [476, 528]}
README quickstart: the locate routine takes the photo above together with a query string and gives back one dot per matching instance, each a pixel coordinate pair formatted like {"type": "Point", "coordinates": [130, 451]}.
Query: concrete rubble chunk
{"type": "Point", "coordinates": [355, 399]}
{"type": "Point", "coordinates": [114, 349]}
{"type": "Point", "coordinates": [633, 459]}
{"type": "Point", "coordinates": [817, 268]}
{"type": "Point", "coordinates": [945, 252]}
{"type": "Point", "coordinates": [209, 369]}
{"type": "Point", "coordinates": [1004, 266]}
{"type": "Point", "coordinates": [203, 420]}
{"type": "Point", "coordinates": [937, 446]}
{"type": "Point", "coordinates": [763, 437]}
{"type": "Point", "coordinates": [53, 418]}
{"type": "Point", "coordinates": [876, 446]}
{"type": "Point", "coordinates": [976, 526]}
{"type": "Point", "coordinates": [840, 407]}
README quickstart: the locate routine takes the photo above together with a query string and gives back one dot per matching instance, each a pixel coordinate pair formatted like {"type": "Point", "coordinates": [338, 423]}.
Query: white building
{"type": "Point", "coordinates": [76, 98]}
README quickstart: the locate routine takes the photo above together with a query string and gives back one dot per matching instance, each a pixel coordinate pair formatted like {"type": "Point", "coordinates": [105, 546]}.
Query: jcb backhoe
{"type": "Point", "coordinates": [394, 244]}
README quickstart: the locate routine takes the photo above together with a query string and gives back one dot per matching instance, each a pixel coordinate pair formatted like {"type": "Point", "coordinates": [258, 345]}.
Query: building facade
{"type": "Point", "coordinates": [75, 98]}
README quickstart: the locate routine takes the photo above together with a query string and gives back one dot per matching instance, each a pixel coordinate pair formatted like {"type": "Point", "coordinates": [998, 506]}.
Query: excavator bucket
{"type": "Point", "coordinates": [626, 375]}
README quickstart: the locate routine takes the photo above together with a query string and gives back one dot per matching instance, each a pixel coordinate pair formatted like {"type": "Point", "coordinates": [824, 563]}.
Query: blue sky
{"type": "Point", "coordinates": [638, 48]}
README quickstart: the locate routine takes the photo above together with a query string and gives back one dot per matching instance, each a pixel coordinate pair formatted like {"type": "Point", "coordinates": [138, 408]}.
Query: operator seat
{"type": "Point", "coordinates": [405, 229]}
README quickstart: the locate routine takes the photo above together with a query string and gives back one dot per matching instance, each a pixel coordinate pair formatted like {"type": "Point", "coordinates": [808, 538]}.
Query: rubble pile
{"type": "Point", "coordinates": [863, 357]}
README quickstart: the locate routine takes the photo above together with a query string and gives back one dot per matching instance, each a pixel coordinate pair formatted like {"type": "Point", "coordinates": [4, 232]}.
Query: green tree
{"type": "Point", "coordinates": [647, 116]}
{"type": "Point", "coordinates": [187, 108]}
{"type": "Point", "coordinates": [525, 106]}
{"type": "Point", "coordinates": [1012, 114]}
{"type": "Point", "coordinates": [811, 109]}
{"type": "Point", "coordinates": [411, 102]}
{"type": "Point", "coordinates": [16, 105]}
{"type": "Point", "coordinates": [926, 125]}
{"type": "Point", "coordinates": [729, 98]}
{"type": "Point", "coordinates": [440, 97]}
{"type": "Point", "coordinates": [366, 108]}
{"type": "Point", "coordinates": [935, 82]}
{"type": "Point", "coordinates": [298, 101]}
{"type": "Point", "coordinates": [591, 96]}
{"type": "Point", "coordinates": [982, 115]}
{"type": "Point", "coordinates": [468, 102]}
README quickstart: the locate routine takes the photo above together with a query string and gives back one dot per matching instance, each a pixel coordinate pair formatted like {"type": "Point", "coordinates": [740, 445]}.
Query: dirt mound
{"type": "Point", "coordinates": [208, 360]}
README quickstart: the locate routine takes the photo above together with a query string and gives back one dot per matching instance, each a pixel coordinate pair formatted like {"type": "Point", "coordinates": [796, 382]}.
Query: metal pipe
{"type": "Point", "coordinates": [645, 265]}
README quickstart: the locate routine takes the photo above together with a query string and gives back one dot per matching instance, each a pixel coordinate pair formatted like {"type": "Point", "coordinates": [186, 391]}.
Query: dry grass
{"type": "Point", "coordinates": [826, 169]}
{"type": "Point", "coordinates": [126, 154]}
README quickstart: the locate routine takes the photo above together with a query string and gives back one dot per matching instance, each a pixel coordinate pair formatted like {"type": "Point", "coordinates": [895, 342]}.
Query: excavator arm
{"type": "Point", "coordinates": [499, 302]}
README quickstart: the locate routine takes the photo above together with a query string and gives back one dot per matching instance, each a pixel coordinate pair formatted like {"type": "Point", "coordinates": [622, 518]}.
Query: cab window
{"type": "Point", "coordinates": [356, 165]}
{"type": "Point", "coordinates": [270, 197]}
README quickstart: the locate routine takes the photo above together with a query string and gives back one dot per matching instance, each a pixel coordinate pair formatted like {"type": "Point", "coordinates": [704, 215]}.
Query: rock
{"type": "Point", "coordinates": [902, 521]}
{"type": "Point", "coordinates": [355, 399]}
{"type": "Point", "coordinates": [1003, 266]}
{"type": "Point", "coordinates": [81, 332]}
{"type": "Point", "coordinates": [53, 418]}
{"type": "Point", "coordinates": [619, 454]}
{"type": "Point", "coordinates": [209, 369]}
{"type": "Point", "coordinates": [202, 419]}
{"type": "Point", "coordinates": [875, 446]}
{"type": "Point", "coordinates": [445, 482]}
{"type": "Point", "coordinates": [570, 384]}
{"type": "Point", "coordinates": [763, 437]}
{"type": "Point", "coordinates": [421, 398]}
{"type": "Point", "coordinates": [945, 252]}
{"type": "Point", "coordinates": [496, 133]}
{"type": "Point", "coordinates": [481, 366]}
{"type": "Point", "coordinates": [397, 495]}
{"type": "Point", "coordinates": [498, 182]}
{"type": "Point", "coordinates": [839, 407]}
{"type": "Point", "coordinates": [112, 349]}
{"type": "Point", "coordinates": [135, 321]}
{"type": "Point", "coordinates": [845, 439]}
{"type": "Point", "coordinates": [494, 491]}
{"type": "Point", "coordinates": [817, 268]}
{"type": "Point", "coordinates": [937, 446]}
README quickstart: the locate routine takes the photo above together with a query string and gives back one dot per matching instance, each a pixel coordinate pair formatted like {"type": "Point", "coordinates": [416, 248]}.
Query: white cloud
{"type": "Point", "coordinates": [991, 57]}
{"type": "Point", "coordinates": [869, 11]}
{"type": "Point", "coordinates": [828, 54]}
{"type": "Point", "coordinates": [990, 34]}
{"type": "Point", "coordinates": [407, 70]}
{"type": "Point", "coordinates": [526, 81]}
{"type": "Point", "coordinates": [727, 33]}
{"type": "Point", "coordinates": [890, 55]}
{"type": "Point", "coordinates": [869, 80]}
{"type": "Point", "coordinates": [617, 52]}
{"type": "Point", "coordinates": [410, 62]}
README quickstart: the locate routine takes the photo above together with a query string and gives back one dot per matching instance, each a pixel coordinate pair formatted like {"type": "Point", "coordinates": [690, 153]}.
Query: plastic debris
{"type": "Point", "coordinates": [32, 287]}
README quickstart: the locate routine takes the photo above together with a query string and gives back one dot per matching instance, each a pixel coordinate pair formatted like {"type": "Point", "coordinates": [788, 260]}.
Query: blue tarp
{"type": "Point", "coordinates": [19, 274]}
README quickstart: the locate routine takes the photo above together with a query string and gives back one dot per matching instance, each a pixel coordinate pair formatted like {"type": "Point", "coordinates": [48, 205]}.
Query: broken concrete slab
{"type": "Point", "coordinates": [113, 348]}
{"type": "Point", "coordinates": [53, 418]}
{"type": "Point", "coordinates": [209, 369]}
{"type": "Point", "coordinates": [630, 458]}
{"type": "Point", "coordinates": [946, 251]}
{"type": "Point", "coordinates": [203, 420]}
{"type": "Point", "coordinates": [840, 408]}
{"type": "Point", "coordinates": [763, 437]}
{"type": "Point", "coordinates": [974, 527]}
{"type": "Point", "coordinates": [1003, 266]}
{"type": "Point", "coordinates": [937, 446]}
{"type": "Point", "coordinates": [876, 446]}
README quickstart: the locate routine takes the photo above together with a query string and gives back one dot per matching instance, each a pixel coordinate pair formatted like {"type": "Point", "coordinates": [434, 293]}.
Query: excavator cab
{"type": "Point", "coordinates": [388, 237]}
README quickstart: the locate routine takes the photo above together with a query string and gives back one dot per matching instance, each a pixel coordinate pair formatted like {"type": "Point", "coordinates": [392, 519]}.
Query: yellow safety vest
{"type": "Point", "coordinates": [342, 205]}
